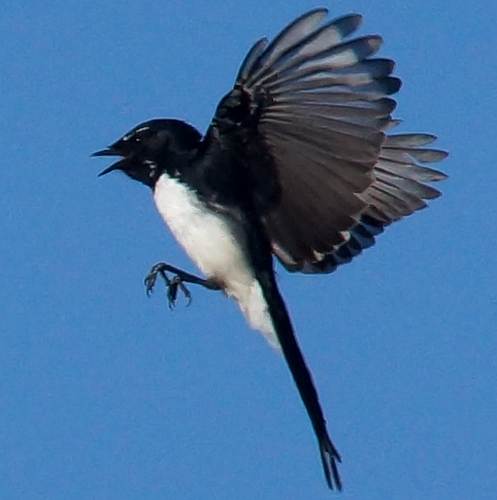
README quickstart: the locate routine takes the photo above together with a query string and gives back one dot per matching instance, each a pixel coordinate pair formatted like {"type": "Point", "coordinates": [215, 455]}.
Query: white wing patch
{"type": "Point", "coordinates": [217, 246]}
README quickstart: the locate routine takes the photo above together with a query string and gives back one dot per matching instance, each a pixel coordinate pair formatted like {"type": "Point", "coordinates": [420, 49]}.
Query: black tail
{"type": "Point", "coordinates": [301, 375]}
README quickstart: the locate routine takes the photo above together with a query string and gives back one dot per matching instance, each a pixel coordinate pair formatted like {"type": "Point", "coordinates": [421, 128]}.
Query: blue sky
{"type": "Point", "coordinates": [105, 394]}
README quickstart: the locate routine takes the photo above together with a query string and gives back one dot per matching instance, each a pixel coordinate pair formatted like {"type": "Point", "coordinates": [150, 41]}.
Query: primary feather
{"type": "Point", "coordinates": [320, 101]}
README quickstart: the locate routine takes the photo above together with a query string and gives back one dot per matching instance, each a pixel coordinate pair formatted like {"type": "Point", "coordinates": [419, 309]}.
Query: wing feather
{"type": "Point", "coordinates": [319, 104]}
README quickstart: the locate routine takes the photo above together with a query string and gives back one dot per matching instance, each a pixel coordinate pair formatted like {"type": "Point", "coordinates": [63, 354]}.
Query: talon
{"type": "Point", "coordinates": [151, 278]}
{"type": "Point", "coordinates": [149, 287]}
{"type": "Point", "coordinates": [149, 282]}
{"type": "Point", "coordinates": [172, 293]}
{"type": "Point", "coordinates": [176, 283]}
{"type": "Point", "coordinates": [186, 292]}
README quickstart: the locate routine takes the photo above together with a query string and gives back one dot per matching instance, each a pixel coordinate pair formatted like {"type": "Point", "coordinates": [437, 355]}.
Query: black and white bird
{"type": "Point", "coordinates": [298, 163]}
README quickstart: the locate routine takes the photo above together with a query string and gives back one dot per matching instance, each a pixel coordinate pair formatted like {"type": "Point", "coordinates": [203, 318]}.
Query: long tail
{"type": "Point", "coordinates": [301, 375]}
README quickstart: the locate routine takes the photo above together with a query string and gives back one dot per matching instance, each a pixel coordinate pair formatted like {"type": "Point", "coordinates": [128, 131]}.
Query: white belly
{"type": "Point", "coordinates": [216, 245]}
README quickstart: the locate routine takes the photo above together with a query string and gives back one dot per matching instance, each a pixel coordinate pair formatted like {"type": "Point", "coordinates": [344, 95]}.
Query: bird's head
{"type": "Point", "coordinates": [150, 148]}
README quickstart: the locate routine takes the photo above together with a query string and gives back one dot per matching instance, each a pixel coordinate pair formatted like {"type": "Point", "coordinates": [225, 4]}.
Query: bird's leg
{"type": "Point", "coordinates": [176, 283]}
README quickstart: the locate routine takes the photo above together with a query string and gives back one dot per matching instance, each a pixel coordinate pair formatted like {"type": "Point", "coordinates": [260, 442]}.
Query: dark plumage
{"type": "Point", "coordinates": [298, 163]}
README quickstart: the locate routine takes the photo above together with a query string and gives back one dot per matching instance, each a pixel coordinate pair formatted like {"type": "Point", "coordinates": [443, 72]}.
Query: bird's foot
{"type": "Point", "coordinates": [172, 291]}
{"type": "Point", "coordinates": [175, 284]}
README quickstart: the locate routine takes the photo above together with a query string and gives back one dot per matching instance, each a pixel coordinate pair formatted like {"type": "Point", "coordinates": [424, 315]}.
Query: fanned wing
{"type": "Point", "coordinates": [319, 103]}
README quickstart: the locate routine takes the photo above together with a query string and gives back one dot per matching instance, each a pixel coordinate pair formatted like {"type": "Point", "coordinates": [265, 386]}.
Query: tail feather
{"type": "Point", "coordinates": [329, 459]}
{"type": "Point", "coordinates": [301, 375]}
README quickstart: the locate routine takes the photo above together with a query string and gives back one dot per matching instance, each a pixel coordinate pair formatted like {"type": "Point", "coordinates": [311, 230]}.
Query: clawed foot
{"type": "Point", "coordinates": [172, 284]}
{"type": "Point", "coordinates": [175, 284]}
{"type": "Point", "coordinates": [172, 292]}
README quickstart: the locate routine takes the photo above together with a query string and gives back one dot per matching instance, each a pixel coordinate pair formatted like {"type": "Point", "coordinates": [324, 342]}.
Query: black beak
{"type": "Point", "coordinates": [106, 152]}
{"type": "Point", "coordinates": [118, 165]}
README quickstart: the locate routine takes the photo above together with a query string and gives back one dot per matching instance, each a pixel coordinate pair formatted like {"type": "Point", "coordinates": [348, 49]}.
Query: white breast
{"type": "Point", "coordinates": [216, 245]}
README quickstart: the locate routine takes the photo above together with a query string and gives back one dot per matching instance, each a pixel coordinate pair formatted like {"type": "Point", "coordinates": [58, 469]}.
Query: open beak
{"type": "Point", "coordinates": [106, 152]}
{"type": "Point", "coordinates": [118, 165]}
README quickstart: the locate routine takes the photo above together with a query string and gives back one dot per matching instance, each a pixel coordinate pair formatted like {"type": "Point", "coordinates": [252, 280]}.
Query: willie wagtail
{"type": "Point", "coordinates": [298, 162]}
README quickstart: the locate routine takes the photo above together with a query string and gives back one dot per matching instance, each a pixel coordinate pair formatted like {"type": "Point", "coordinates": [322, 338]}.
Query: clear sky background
{"type": "Point", "coordinates": [105, 394]}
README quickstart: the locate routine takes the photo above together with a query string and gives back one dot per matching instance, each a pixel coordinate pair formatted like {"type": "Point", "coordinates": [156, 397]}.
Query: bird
{"type": "Point", "coordinates": [298, 166]}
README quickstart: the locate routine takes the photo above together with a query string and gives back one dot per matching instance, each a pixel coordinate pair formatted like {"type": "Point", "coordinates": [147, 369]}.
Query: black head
{"type": "Point", "coordinates": [151, 148]}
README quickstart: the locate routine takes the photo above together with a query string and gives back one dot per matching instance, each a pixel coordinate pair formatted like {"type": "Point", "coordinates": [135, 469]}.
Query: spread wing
{"type": "Point", "coordinates": [317, 104]}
